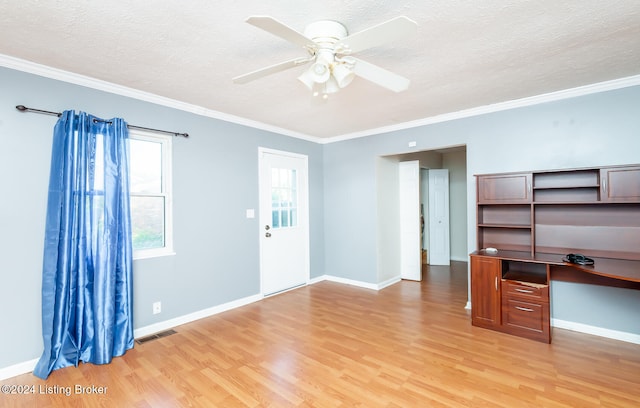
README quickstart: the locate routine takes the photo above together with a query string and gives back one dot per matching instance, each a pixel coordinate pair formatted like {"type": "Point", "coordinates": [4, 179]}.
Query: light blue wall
{"type": "Point", "coordinates": [215, 179]}
{"type": "Point", "coordinates": [594, 130]}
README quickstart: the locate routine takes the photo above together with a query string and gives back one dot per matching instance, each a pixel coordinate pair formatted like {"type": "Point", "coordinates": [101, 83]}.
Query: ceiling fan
{"type": "Point", "coordinates": [330, 48]}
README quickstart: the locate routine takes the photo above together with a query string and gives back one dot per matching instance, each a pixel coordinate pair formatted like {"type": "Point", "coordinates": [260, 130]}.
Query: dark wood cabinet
{"type": "Point", "coordinates": [504, 188]}
{"type": "Point", "coordinates": [620, 184]}
{"type": "Point", "coordinates": [510, 296]}
{"type": "Point", "coordinates": [485, 291]}
{"type": "Point", "coordinates": [535, 218]}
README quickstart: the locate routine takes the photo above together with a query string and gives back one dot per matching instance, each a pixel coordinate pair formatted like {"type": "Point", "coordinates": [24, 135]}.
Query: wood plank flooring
{"type": "Point", "coordinates": [334, 345]}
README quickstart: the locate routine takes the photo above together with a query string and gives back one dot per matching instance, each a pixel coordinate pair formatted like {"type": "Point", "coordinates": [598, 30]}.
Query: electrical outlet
{"type": "Point", "coordinates": [157, 307]}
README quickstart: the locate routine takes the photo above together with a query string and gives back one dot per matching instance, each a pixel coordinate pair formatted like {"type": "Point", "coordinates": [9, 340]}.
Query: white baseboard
{"type": "Point", "coordinates": [351, 282]}
{"type": "Point", "coordinates": [18, 369]}
{"type": "Point", "coordinates": [360, 284]}
{"type": "Point", "coordinates": [596, 331]}
{"type": "Point", "coordinates": [201, 314]}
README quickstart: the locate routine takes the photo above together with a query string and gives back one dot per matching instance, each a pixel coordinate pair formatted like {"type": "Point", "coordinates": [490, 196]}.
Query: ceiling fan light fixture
{"type": "Point", "coordinates": [319, 72]}
{"type": "Point", "coordinates": [343, 75]}
{"type": "Point", "coordinates": [331, 86]}
{"type": "Point", "coordinates": [311, 79]}
{"type": "Point", "coordinates": [329, 46]}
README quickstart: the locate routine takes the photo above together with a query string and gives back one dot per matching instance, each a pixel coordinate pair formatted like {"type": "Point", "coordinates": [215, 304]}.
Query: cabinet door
{"type": "Point", "coordinates": [620, 184]}
{"type": "Point", "coordinates": [504, 189]}
{"type": "Point", "coordinates": [485, 291]}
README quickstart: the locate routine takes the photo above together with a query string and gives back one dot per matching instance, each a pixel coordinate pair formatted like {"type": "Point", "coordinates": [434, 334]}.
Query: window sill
{"type": "Point", "coordinates": [151, 255]}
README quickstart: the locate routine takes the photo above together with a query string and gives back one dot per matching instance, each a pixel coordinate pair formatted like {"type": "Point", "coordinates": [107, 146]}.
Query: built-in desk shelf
{"type": "Point", "coordinates": [534, 219]}
{"type": "Point", "coordinates": [566, 179]}
{"type": "Point", "coordinates": [523, 226]}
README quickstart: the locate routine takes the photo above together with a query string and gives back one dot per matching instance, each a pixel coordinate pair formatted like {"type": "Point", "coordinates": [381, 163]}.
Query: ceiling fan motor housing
{"type": "Point", "coordinates": [326, 32]}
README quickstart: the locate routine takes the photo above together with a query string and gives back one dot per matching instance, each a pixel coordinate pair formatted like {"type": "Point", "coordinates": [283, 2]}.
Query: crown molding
{"type": "Point", "coordinates": [497, 107]}
{"type": "Point", "coordinates": [93, 83]}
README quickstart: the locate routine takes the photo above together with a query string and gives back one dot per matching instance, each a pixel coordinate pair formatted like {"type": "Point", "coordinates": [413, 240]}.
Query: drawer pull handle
{"type": "Point", "coordinates": [523, 290]}
{"type": "Point", "coordinates": [524, 309]}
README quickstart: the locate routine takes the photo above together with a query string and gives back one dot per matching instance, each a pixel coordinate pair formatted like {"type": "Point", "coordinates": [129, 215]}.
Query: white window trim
{"type": "Point", "coordinates": [167, 189]}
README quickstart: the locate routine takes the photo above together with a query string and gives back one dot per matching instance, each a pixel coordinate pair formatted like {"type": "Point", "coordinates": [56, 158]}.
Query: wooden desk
{"type": "Point", "coordinates": [621, 273]}
{"type": "Point", "coordinates": [510, 289]}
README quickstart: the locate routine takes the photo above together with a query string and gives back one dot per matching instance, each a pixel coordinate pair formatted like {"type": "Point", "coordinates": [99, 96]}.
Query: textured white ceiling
{"type": "Point", "coordinates": [466, 53]}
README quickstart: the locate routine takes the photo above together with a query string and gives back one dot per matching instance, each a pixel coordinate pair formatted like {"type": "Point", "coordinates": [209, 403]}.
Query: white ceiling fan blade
{"type": "Point", "coordinates": [279, 29]}
{"type": "Point", "coordinates": [380, 34]}
{"type": "Point", "coordinates": [380, 76]}
{"type": "Point", "coordinates": [272, 69]}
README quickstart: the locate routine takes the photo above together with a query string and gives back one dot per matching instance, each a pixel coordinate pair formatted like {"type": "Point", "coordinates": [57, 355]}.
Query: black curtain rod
{"type": "Point", "coordinates": [23, 108]}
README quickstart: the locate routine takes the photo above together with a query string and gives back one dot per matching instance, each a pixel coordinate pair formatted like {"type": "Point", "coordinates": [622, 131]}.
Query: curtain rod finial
{"type": "Point", "coordinates": [21, 108]}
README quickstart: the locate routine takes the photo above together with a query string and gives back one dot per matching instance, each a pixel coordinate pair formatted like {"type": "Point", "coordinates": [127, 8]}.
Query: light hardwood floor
{"type": "Point", "coordinates": [332, 345]}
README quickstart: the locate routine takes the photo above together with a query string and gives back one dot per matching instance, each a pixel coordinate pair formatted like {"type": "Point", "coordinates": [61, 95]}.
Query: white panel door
{"type": "Point", "coordinates": [439, 252]}
{"type": "Point", "coordinates": [410, 224]}
{"type": "Point", "coordinates": [284, 221]}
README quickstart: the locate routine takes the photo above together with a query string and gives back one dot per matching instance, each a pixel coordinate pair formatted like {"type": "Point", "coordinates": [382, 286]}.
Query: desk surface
{"type": "Point", "coordinates": [621, 269]}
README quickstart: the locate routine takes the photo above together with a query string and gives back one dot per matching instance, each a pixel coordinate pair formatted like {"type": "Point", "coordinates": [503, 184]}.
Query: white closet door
{"type": "Point", "coordinates": [409, 198]}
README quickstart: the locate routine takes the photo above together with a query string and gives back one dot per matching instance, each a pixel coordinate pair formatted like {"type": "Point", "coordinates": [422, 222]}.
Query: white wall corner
{"type": "Point", "coordinates": [389, 282]}
{"type": "Point", "coordinates": [352, 282]}
{"type": "Point", "coordinates": [317, 279]}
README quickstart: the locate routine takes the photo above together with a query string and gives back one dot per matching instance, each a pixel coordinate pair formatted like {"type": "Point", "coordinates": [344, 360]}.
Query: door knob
{"type": "Point", "coordinates": [267, 227]}
{"type": "Point", "coordinates": [268, 235]}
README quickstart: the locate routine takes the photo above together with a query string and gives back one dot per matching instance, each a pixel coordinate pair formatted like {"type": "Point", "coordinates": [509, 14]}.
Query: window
{"type": "Point", "coordinates": [284, 198]}
{"type": "Point", "coordinates": [150, 194]}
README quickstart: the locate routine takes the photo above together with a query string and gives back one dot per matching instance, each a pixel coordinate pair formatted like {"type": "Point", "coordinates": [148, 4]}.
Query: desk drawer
{"type": "Point", "coordinates": [525, 315]}
{"type": "Point", "coordinates": [525, 290]}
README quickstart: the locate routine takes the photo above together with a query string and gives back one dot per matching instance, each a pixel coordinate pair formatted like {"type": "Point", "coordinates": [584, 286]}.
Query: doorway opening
{"type": "Point", "coordinates": [390, 255]}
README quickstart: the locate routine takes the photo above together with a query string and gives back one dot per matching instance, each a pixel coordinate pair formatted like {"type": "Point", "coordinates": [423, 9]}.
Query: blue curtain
{"type": "Point", "coordinates": [87, 312]}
